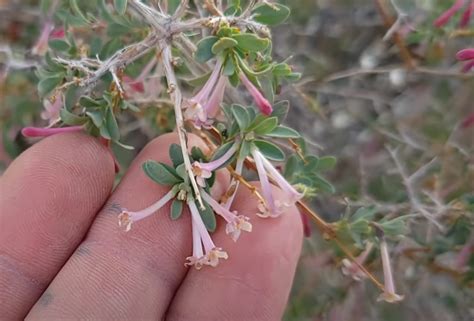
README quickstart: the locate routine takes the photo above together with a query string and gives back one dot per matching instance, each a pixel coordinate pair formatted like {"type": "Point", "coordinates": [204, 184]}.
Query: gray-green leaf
{"type": "Point", "coordinates": [204, 49]}
{"type": "Point", "coordinates": [121, 6]}
{"type": "Point", "coordinates": [269, 150]}
{"type": "Point", "coordinates": [160, 173]}
{"type": "Point", "coordinates": [176, 209]}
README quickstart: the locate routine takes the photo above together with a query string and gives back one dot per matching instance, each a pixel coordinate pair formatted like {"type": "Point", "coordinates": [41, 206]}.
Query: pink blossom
{"type": "Point", "coordinates": [389, 294]}
{"type": "Point", "coordinates": [57, 33]}
{"type": "Point", "coordinates": [466, 55]}
{"type": "Point", "coordinates": [266, 170]}
{"type": "Point", "coordinates": [48, 32]}
{"type": "Point", "coordinates": [127, 218]}
{"type": "Point", "coordinates": [204, 171]}
{"type": "Point", "coordinates": [352, 269]}
{"type": "Point", "coordinates": [446, 16]}
{"type": "Point", "coordinates": [468, 121]}
{"type": "Point", "coordinates": [235, 223]}
{"type": "Point", "coordinates": [211, 254]}
{"type": "Point", "coordinates": [463, 256]}
{"type": "Point", "coordinates": [52, 108]}
{"type": "Point", "coordinates": [45, 132]}
{"type": "Point", "coordinates": [205, 105]}
{"type": "Point", "coordinates": [133, 85]}
{"type": "Point", "coordinates": [141, 84]}
{"type": "Point", "coordinates": [41, 46]}
{"type": "Point", "coordinates": [466, 16]}
{"type": "Point", "coordinates": [262, 103]}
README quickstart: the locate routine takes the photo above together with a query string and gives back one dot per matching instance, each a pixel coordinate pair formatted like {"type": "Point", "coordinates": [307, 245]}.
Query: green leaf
{"type": "Point", "coordinates": [47, 85]}
{"type": "Point", "coordinates": [161, 174]}
{"type": "Point", "coordinates": [104, 132]}
{"type": "Point", "coordinates": [221, 151]}
{"type": "Point", "coordinates": [266, 126]}
{"type": "Point", "coordinates": [204, 49]}
{"type": "Point", "coordinates": [251, 42]}
{"type": "Point", "coordinates": [241, 116]}
{"type": "Point", "coordinates": [112, 126]}
{"type": "Point", "coordinates": [364, 213]}
{"type": "Point", "coordinates": [70, 98]}
{"type": "Point", "coordinates": [229, 67]}
{"type": "Point", "coordinates": [96, 116]}
{"type": "Point", "coordinates": [70, 119]}
{"type": "Point", "coordinates": [222, 44]}
{"type": "Point", "coordinates": [326, 163]}
{"type": "Point", "coordinates": [197, 154]}
{"type": "Point", "coordinates": [282, 69]}
{"type": "Point", "coordinates": [245, 149]}
{"type": "Point", "coordinates": [294, 76]}
{"type": "Point", "coordinates": [176, 209]}
{"type": "Point", "coordinates": [78, 12]}
{"type": "Point", "coordinates": [173, 5]}
{"type": "Point", "coordinates": [58, 44]}
{"type": "Point", "coordinates": [176, 155]}
{"type": "Point", "coordinates": [270, 150]}
{"type": "Point", "coordinates": [271, 14]}
{"type": "Point", "coordinates": [291, 166]}
{"type": "Point", "coordinates": [284, 132]}
{"type": "Point", "coordinates": [395, 227]}
{"type": "Point", "coordinates": [208, 217]}
{"type": "Point", "coordinates": [88, 102]}
{"type": "Point", "coordinates": [45, 5]}
{"type": "Point", "coordinates": [280, 110]}
{"type": "Point", "coordinates": [121, 6]}
{"type": "Point", "coordinates": [323, 184]}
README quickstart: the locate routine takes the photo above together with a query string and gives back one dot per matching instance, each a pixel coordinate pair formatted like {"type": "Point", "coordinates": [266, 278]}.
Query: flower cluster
{"type": "Point", "coordinates": [467, 56]}
{"type": "Point", "coordinates": [458, 5]}
{"type": "Point", "coordinates": [94, 88]}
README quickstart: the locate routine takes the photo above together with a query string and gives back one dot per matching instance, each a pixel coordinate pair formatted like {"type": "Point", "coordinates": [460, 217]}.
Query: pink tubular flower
{"type": "Point", "coordinates": [211, 254]}
{"type": "Point", "coordinates": [462, 259]}
{"type": "Point", "coordinates": [48, 32]}
{"type": "Point", "coordinates": [265, 169]}
{"type": "Point", "coordinates": [446, 16]}
{"type": "Point", "coordinates": [57, 33]}
{"type": "Point", "coordinates": [140, 85]}
{"type": "Point", "coordinates": [126, 218]}
{"type": "Point", "coordinates": [204, 171]}
{"type": "Point", "coordinates": [205, 105]}
{"type": "Point", "coordinates": [466, 55]}
{"type": "Point", "coordinates": [352, 269]}
{"type": "Point", "coordinates": [468, 121]}
{"type": "Point", "coordinates": [52, 108]}
{"type": "Point", "coordinates": [45, 132]}
{"type": "Point", "coordinates": [389, 295]}
{"type": "Point", "coordinates": [41, 46]}
{"type": "Point", "coordinates": [262, 103]}
{"type": "Point", "coordinates": [235, 223]}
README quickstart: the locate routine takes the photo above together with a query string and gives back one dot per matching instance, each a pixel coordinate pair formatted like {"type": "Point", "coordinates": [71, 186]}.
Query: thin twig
{"type": "Point", "coordinates": [389, 21]}
{"type": "Point", "coordinates": [177, 98]}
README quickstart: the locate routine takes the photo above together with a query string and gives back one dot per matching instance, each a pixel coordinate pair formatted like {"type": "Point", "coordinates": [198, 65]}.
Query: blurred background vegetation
{"type": "Point", "coordinates": [386, 109]}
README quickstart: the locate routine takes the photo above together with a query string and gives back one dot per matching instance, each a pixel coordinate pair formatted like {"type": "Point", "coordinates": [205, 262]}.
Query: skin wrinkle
{"type": "Point", "coordinates": [64, 187]}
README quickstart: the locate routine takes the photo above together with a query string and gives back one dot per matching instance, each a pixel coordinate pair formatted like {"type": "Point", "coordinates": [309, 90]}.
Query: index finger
{"type": "Point", "coordinates": [48, 198]}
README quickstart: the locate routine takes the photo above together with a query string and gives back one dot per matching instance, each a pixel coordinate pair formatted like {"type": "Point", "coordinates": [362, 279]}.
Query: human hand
{"type": "Point", "coordinates": [63, 256]}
